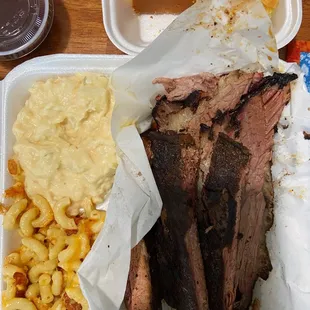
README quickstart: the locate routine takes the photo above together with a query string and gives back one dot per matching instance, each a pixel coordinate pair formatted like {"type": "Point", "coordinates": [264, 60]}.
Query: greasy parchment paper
{"type": "Point", "coordinates": [288, 241]}
{"type": "Point", "coordinates": [213, 36]}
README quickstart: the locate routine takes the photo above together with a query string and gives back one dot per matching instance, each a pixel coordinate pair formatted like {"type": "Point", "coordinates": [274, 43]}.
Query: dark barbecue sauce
{"type": "Point", "coordinates": [161, 6]}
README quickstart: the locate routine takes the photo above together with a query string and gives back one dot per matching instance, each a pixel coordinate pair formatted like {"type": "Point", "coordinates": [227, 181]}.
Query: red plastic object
{"type": "Point", "coordinates": [295, 48]}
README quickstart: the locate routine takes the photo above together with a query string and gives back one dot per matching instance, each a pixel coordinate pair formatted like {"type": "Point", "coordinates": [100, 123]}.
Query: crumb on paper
{"type": "Point", "coordinates": [256, 304]}
{"type": "Point", "coordinates": [299, 192]}
{"type": "Point", "coordinates": [306, 135]}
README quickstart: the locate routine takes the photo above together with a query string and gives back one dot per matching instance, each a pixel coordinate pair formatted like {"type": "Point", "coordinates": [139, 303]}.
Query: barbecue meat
{"type": "Point", "coordinates": [180, 116]}
{"type": "Point", "coordinates": [218, 219]}
{"type": "Point", "coordinates": [256, 133]}
{"type": "Point", "coordinates": [138, 294]}
{"type": "Point", "coordinates": [253, 121]}
{"type": "Point", "coordinates": [179, 88]}
{"type": "Point", "coordinates": [173, 241]}
{"type": "Point", "coordinates": [210, 153]}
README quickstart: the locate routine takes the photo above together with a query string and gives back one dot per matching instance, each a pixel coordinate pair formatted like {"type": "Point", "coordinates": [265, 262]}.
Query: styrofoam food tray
{"type": "Point", "coordinates": [132, 33]}
{"type": "Point", "coordinates": [13, 95]}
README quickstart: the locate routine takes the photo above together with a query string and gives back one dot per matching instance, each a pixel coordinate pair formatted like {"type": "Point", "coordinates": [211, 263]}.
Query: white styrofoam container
{"type": "Point", "coordinates": [13, 95]}
{"type": "Point", "coordinates": [132, 33]}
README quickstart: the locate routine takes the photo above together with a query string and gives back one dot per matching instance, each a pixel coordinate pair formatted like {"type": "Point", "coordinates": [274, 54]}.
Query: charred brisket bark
{"type": "Point", "coordinates": [173, 241]}
{"type": "Point", "coordinates": [179, 117]}
{"type": "Point", "coordinates": [218, 219]}
{"type": "Point", "coordinates": [210, 153]}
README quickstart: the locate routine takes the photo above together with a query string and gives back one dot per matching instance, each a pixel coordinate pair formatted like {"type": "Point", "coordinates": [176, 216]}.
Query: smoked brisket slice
{"type": "Point", "coordinates": [187, 115]}
{"type": "Point", "coordinates": [138, 295]}
{"type": "Point", "coordinates": [210, 154]}
{"type": "Point", "coordinates": [179, 88]}
{"type": "Point", "coordinates": [254, 120]}
{"type": "Point", "coordinates": [256, 133]}
{"type": "Point", "coordinates": [218, 219]}
{"type": "Point", "coordinates": [176, 263]}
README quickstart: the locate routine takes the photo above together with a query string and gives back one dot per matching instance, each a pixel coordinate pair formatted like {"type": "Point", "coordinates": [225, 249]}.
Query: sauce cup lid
{"type": "Point", "coordinates": [24, 24]}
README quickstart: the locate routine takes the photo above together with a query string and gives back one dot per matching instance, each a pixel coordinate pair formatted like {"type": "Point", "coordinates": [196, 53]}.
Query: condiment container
{"type": "Point", "coordinates": [131, 33]}
{"type": "Point", "coordinates": [24, 24]}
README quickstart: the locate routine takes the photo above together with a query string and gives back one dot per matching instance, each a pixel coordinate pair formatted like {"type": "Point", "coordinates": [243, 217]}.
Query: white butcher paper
{"type": "Point", "coordinates": [134, 206]}
{"type": "Point", "coordinates": [288, 241]}
{"type": "Point", "coordinates": [212, 36]}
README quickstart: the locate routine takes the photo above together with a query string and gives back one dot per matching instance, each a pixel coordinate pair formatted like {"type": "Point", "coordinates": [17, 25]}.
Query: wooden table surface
{"type": "Point", "coordinates": [78, 28]}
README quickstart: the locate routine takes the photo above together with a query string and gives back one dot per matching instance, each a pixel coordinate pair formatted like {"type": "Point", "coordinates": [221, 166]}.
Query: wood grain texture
{"type": "Point", "coordinates": [78, 28]}
{"type": "Point", "coordinates": [304, 31]}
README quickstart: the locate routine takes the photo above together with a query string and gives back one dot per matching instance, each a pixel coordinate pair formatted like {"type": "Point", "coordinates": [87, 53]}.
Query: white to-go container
{"type": "Point", "coordinates": [131, 33]}
{"type": "Point", "coordinates": [13, 95]}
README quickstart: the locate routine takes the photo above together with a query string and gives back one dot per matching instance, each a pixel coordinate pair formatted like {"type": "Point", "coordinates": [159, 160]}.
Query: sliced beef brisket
{"type": "Point", "coordinates": [173, 241]}
{"type": "Point", "coordinates": [210, 155]}
{"type": "Point", "coordinates": [218, 219]}
{"type": "Point", "coordinates": [181, 117]}
{"type": "Point", "coordinates": [139, 295]}
{"type": "Point", "coordinates": [256, 133]}
{"type": "Point", "coordinates": [179, 88]}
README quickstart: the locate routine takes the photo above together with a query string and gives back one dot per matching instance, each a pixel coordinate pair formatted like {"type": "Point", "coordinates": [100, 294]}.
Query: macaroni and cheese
{"type": "Point", "coordinates": [63, 140]}
{"type": "Point", "coordinates": [42, 273]}
{"type": "Point", "coordinates": [64, 163]}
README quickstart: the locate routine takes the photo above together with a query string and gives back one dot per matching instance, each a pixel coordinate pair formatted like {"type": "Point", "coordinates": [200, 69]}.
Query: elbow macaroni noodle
{"type": "Point", "coordinates": [46, 288]}
{"type": "Point", "coordinates": [26, 219]}
{"type": "Point", "coordinates": [33, 291]}
{"type": "Point", "coordinates": [60, 214]}
{"type": "Point", "coordinates": [20, 304]}
{"type": "Point", "coordinates": [41, 274]}
{"type": "Point", "coordinates": [14, 259]}
{"type": "Point", "coordinates": [10, 219]}
{"type": "Point", "coordinates": [10, 291]}
{"type": "Point", "coordinates": [46, 212]}
{"type": "Point", "coordinates": [57, 284]}
{"type": "Point", "coordinates": [37, 247]}
{"type": "Point", "coordinates": [9, 270]}
{"type": "Point", "coordinates": [40, 268]}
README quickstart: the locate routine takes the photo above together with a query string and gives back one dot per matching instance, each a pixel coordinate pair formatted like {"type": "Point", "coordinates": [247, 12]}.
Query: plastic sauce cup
{"type": "Point", "coordinates": [24, 24]}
